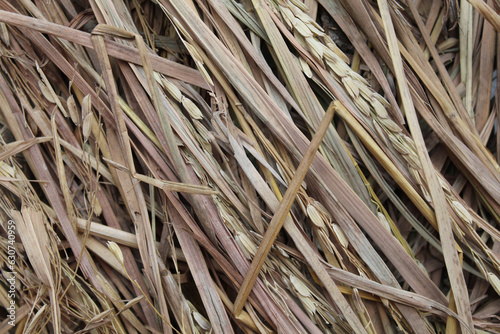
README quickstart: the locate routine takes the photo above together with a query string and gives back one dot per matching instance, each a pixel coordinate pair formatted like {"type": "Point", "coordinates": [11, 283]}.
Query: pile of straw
{"type": "Point", "coordinates": [253, 166]}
